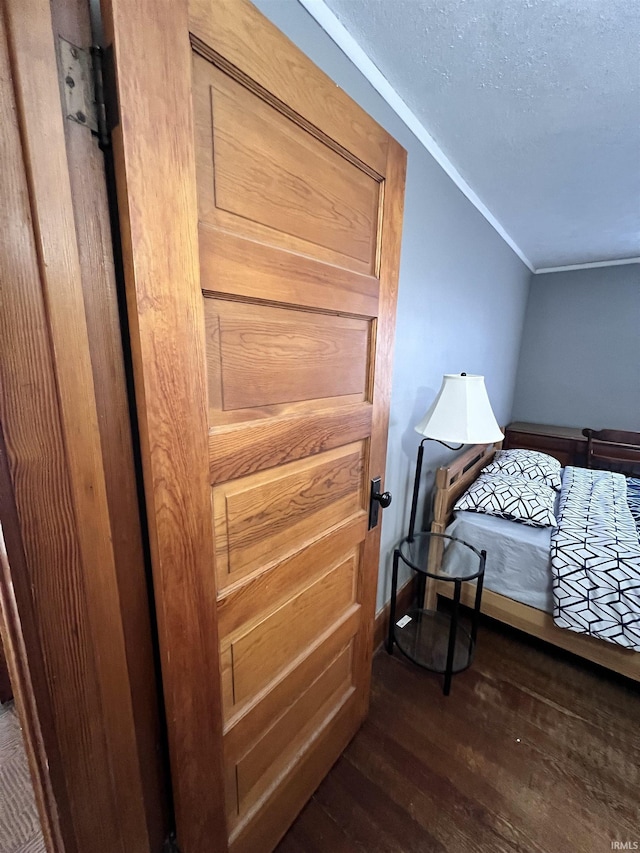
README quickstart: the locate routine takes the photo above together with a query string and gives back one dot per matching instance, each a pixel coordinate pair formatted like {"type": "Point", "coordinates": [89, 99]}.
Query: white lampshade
{"type": "Point", "coordinates": [461, 413]}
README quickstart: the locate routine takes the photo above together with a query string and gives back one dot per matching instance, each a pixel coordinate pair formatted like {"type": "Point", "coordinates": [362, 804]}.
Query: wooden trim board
{"type": "Point", "coordinates": [403, 600]}
{"type": "Point", "coordinates": [6, 693]}
{"type": "Point", "coordinates": [74, 568]}
{"type": "Point", "coordinates": [166, 320]}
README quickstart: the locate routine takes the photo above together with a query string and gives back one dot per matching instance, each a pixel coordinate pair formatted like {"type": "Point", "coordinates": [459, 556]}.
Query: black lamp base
{"type": "Point", "coordinates": [416, 482]}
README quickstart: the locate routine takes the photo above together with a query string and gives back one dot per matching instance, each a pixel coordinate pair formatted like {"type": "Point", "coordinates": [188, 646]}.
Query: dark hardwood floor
{"type": "Point", "coordinates": [533, 752]}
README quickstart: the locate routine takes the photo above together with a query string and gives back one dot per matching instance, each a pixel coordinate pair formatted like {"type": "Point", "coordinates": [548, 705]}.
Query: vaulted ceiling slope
{"type": "Point", "coordinates": [536, 103]}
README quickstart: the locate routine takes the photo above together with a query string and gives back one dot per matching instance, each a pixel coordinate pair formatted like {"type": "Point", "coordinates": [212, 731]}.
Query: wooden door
{"type": "Point", "coordinates": [261, 213]}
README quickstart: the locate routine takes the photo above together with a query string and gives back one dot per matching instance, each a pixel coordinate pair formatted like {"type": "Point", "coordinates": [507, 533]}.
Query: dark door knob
{"type": "Point", "coordinates": [383, 499]}
{"type": "Point", "coordinates": [378, 499]}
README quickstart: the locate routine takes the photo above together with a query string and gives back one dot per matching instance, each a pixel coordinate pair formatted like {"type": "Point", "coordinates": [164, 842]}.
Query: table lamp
{"type": "Point", "coordinates": [462, 414]}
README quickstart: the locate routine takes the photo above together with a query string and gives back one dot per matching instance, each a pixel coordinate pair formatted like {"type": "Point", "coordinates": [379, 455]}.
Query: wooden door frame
{"type": "Point", "coordinates": [72, 586]}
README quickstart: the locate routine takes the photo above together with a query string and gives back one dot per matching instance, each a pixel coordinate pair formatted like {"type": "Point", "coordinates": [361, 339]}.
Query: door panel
{"type": "Point", "coordinates": [272, 172]}
{"type": "Point", "coordinates": [252, 771]}
{"type": "Point", "coordinates": [286, 291]}
{"type": "Point", "coordinates": [250, 268]}
{"type": "Point", "coordinates": [261, 356]}
{"type": "Point", "coordinates": [260, 653]}
{"type": "Point", "coordinates": [262, 518]}
{"type": "Point", "coordinates": [242, 603]}
{"type": "Point", "coordinates": [277, 439]}
{"type": "Point", "coordinates": [269, 754]}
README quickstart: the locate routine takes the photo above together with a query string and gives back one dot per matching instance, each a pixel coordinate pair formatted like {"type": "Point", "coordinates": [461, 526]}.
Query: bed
{"type": "Point", "coordinates": [518, 566]}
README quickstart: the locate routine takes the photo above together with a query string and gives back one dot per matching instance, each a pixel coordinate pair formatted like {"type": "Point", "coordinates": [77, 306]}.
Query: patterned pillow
{"type": "Point", "coordinates": [529, 464]}
{"type": "Point", "coordinates": [516, 498]}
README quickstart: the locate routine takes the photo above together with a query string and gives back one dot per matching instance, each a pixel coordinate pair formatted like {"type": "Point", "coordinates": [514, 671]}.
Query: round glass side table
{"type": "Point", "coordinates": [432, 639]}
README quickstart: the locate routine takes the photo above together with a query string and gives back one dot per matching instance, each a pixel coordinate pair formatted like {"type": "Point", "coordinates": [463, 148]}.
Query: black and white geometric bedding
{"type": "Point", "coordinates": [595, 559]}
{"type": "Point", "coordinates": [633, 499]}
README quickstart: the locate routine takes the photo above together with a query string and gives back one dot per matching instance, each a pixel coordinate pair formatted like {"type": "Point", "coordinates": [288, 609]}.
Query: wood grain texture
{"type": "Point", "coordinates": [243, 605]}
{"type": "Point", "coordinates": [297, 367]}
{"type": "Point", "coordinates": [261, 828]}
{"type": "Point", "coordinates": [20, 637]}
{"type": "Point", "coordinates": [573, 433]}
{"type": "Point", "coordinates": [260, 653]}
{"type": "Point", "coordinates": [614, 450]}
{"type": "Point", "coordinates": [541, 625]}
{"type": "Point", "coordinates": [155, 138]}
{"type": "Point", "coordinates": [6, 692]}
{"type": "Point", "coordinates": [236, 265]}
{"type": "Point", "coordinates": [453, 480]}
{"type": "Point", "coordinates": [93, 586]}
{"type": "Point", "coordinates": [87, 176]}
{"type": "Point", "coordinates": [270, 755]}
{"type": "Point", "coordinates": [245, 728]}
{"type": "Point", "coordinates": [295, 217]}
{"type": "Point", "coordinates": [381, 367]}
{"type": "Point", "coordinates": [301, 202]}
{"type": "Point", "coordinates": [533, 751]}
{"type": "Point", "coordinates": [260, 356]}
{"type": "Point", "coordinates": [242, 449]}
{"type": "Point", "coordinates": [53, 445]}
{"type": "Point", "coordinates": [566, 444]}
{"type": "Point", "coordinates": [269, 171]}
{"type": "Point", "coordinates": [262, 519]}
{"type": "Point", "coordinates": [249, 42]}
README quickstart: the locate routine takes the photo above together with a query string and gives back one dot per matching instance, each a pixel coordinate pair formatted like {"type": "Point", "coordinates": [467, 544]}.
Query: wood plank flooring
{"type": "Point", "coordinates": [533, 752]}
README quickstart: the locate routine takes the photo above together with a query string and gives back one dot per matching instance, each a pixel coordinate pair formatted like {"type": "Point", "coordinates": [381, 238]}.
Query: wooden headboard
{"type": "Point", "coordinates": [456, 478]}
{"type": "Point", "coordinates": [451, 482]}
{"type": "Point", "coordinates": [614, 450]}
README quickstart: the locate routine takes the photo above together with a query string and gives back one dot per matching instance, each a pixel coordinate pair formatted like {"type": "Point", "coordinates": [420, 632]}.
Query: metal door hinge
{"type": "Point", "coordinates": [89, 90]}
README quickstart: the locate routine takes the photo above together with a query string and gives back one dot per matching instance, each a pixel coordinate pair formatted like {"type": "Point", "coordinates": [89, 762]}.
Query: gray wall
{"type": "Point", "coordinates": [580, 356]}
{"type": "Point", "coordinates": [462, 290]}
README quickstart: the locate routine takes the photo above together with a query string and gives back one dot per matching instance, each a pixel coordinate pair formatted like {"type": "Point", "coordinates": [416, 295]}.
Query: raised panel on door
{"type": "Point", "coordinates": [261, 762]}
{"type": "Point", "coordinates": [284, 383]}
{"type": "Point", "coordinates": [260, 519]}
{"type": "Point", "coordinates": [265, 174]}
{"type": "Point", "coordinates": [279, 318]}
{"type": "Point", "coordinates": [258, 654]}
{"type": "Point", "coordinates": [266, 359]}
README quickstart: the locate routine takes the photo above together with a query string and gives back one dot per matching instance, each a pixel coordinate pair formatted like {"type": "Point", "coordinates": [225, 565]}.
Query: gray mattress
{"type": "Point", "coordinates": [518, 557]}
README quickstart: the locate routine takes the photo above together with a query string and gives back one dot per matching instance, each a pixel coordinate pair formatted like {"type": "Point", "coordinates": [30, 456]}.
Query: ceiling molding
{"type": "Point", "coordinates": [349, 46]}
{"type": "Point", "coordinates": [352, 50]}
{"type": "Point", "coordinates": [590, 266]}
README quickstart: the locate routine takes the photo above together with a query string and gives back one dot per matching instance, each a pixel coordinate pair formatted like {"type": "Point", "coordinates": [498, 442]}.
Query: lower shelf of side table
{"type": "Point", "coordinates": [424, 639]}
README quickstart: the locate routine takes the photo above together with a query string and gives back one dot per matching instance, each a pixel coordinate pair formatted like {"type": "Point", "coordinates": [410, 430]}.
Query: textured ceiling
{"type": "Point", "coordinates": [535, 102]}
